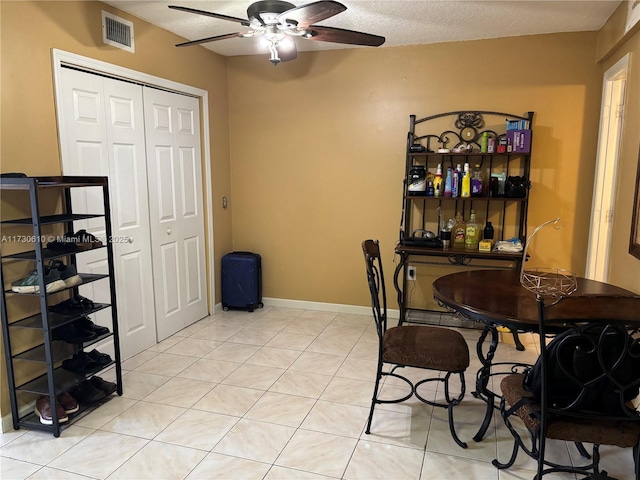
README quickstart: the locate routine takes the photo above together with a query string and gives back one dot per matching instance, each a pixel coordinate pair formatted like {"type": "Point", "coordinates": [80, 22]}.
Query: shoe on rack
{"type": "Point", "coordinates": [86, 240]}
{"type": "Point", "coordinates": [87, 393]}
{"type": "Point", "coordinates": [100, 358]}
{"type": "Point", "coordinates": [107, 387]}
{"type": "Point", "coordinates": [85, 323]}
{"type": "Point", "coordinates": [43, 410]}
{"type": "Point", "coordinates": [66, 243]}
{"type": "Point", "coordinates": [70, 333]}
{"type": "Point", "coordinates": [30, 283]}
{"type": "Point", "coordinates": [68, 403]}
{"type": "Point", "coordinates": [68, 273]}
{"type": "Point", "coordinates": [81, 363]}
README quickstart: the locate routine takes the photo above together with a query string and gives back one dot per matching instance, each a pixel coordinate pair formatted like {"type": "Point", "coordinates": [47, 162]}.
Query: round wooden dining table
{"type": "Point", "coordinates": [497, 299]}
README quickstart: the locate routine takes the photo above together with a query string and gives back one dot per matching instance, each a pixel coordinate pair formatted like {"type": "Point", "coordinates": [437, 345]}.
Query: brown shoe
{"type": "Point", "coordinates": [68, 403]}
{"type": "Point", "coordinates": [43, 410]}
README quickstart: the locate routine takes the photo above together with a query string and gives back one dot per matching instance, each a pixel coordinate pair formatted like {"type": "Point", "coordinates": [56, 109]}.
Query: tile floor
{"type": "Point", "coordinates": [274, 394]}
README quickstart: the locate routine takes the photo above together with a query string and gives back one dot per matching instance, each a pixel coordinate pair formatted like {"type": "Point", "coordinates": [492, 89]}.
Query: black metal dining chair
{"type": "Point", "coordinates": [580, 389]}
{"type": "Point", "coordinates": [431, 348]}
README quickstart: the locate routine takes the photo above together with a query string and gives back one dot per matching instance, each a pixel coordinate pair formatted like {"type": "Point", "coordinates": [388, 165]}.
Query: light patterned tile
{"type": "Point", "coordinates": [229, 400]}
{"type": "Point", "coordinates": [347, 390]}
{"type": "Point", "coordinates": [379, 461]}
{"type": "Point", "coordinates": [282, 409]}
{"type": "Point", "coordinates": [301, 383]}
{"type": "Point", "coordinates": [273, 357]}
{"type": "Point", "coordinates": [282, 473]}
{"type": "Point", "coordinates": [217, 332]}
{"type": "Point", "coordinates": [253, 440]}
{"type": "Point", "coordinates": [137, 385]}
{"type": "Point", "coordinates": [91, 457]}
{"type": "Point", "coordinates": [197, 429]}
{"type": "Point", "coordinates": [358, 369]}
{"type": "Point", "coordinates": [220, 466]}
{"type": "Point", "coordinates": [399, 429]}
{"type": "Point", "coordinates": [292, 341]}
{"type": "Point", "coordinates": [331, 346]}
{"type": "Point", "coordinates": [11, 469]}
{"type": "Point", "coordinates": [138, 359]}
{"type": "Point", "coordinates": [253, 337]}
{"type": "Point", "coordinates": [209, 370]}
{"type": "Point", "coordinates": [336, 418]}
{"type": "Point", "coordinates": [180, 392]}
{"type": "Point", "coordinates": [437, 466]}
{"type": "Point", "coordinates": [318, 363]}
{"type": "Point", "coordinates": [107, 412]}
{"type": "Point", "coordinates": [144, 419]}
{"type": "Point", "coordinates": [159, 460]}
{"type": "Point", "coordinates": [48, 473]}
{"type": "Point", "coordinates": [233, 352]}
{"type": "Point", "coordinates": [166, 364]}
{"type": "Point", "coordinates": [254, 376]}
{"type": "Point", "coordinates": [307, 326]}
{"type": "Point", "coordinates": [317, 452]}
{"type": "Point", "coordinates": [24, 446]}
{"type": "Point", "coordinates": [193, 347]}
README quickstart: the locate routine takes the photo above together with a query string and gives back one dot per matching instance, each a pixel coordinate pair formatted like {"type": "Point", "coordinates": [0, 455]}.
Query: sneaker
{"type": "Point", "coordinates": [30, 283]}
{"type": "Point", "coordinates": [68, 273]}
{"type": "Point", "coordinates": [68, 403]}
{"type": "Point", "coordinates": [43, 410]}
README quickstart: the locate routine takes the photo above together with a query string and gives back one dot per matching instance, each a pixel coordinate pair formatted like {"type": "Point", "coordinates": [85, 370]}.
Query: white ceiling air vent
{"type": "Point", "coordinates": [117, 31]}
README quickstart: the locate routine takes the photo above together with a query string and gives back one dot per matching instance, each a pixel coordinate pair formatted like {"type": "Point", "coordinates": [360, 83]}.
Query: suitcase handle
{"type": "Point", "coordinates": [244, 253]}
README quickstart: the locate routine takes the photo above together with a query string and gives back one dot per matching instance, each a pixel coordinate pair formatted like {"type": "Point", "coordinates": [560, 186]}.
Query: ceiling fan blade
{"type": "Point", "coordinates": [305, 15]}
{"type": "Point", "coordinates": [241, 21]}
{"type": "Point", "coordinates": [210, 39]}
{"type": "Point", "coordinates": [339, 35]}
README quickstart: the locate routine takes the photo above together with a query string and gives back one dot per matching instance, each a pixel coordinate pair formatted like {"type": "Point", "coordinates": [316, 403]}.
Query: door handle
{"type": "Point", "coordinates": [168, 231]}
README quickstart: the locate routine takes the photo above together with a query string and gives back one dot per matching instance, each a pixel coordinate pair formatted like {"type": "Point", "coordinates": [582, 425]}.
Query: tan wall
{"type": "Point", "coordinates": [28, 131]}
{"type": "Point", "coordinates": [318, 145]}
{"type": "Point", "coordinates": [624, 269]}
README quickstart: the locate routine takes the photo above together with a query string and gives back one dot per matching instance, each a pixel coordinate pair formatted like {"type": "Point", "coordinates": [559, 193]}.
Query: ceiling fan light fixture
{"type": "Point", "coordinates": [277, 21]}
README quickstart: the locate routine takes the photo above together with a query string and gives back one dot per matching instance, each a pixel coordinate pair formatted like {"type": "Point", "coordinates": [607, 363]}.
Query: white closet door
{"type": "Point", "coordinates": [102, 133]}
{"type": "Point", "coordinates": [174, 168]}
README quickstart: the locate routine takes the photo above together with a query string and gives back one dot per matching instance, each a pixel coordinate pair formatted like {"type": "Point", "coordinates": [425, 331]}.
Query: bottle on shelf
{"type": "Point", "coordinates": [484, 142]}
{"type": "Point", "coordinates": [488, 233]}
{"type": "Point", "coordinates": [491, 145]}
{"type": "Point", "coordinates": [466, 182]}
{"type": "Point", "coordinates": [471, 237]}
{"type": "Point", "coordinates": [447, 182]}
{"type": "Point", "coordinates": [476, 182]}
{"type": "Point", "coordinates": [459, 231]}
{"type": "Point", "coordinates": [455, 182]}
{"type": "Point", "coordinates": [445, 233]}
{"type": "Point", "coordinates": [430, 187]}
{"type": "Point", "coordinates": [437, 182]}
{"type": "Point", "coordinates": [486, 244]}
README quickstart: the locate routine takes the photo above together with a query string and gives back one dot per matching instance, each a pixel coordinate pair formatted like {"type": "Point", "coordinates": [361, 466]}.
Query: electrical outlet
{"type": "Point", "coordinates": [411, 273]}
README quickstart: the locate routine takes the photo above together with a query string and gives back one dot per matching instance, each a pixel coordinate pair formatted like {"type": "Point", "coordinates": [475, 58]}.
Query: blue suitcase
{"type": "Point", "coordinates": [241, 281]}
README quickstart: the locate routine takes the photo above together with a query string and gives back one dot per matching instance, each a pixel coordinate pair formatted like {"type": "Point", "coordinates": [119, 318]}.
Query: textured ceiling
{"type": "Point", "coordinates": [408, 22]}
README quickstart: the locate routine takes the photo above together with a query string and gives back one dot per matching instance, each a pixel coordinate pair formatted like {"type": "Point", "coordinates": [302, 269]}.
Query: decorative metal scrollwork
{"type": "Point", "coordinates": [459, 259]}
{"type": "Point", "coordinates": [469, 119]}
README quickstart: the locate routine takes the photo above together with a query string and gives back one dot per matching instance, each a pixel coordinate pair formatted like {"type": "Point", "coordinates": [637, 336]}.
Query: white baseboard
{"type": "Point", "coordinates": [318, 306]}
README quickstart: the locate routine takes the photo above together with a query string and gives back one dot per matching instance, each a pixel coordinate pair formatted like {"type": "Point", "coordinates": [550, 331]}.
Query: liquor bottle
{"type": "Point", "coordinates": [472, 231]}
{"type": "Point", "coordinates": [430, 189]}
{"type": "Point", "coordinates": [459, 230]}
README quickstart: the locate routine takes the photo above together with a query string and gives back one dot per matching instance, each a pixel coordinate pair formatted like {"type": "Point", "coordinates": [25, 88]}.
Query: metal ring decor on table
{"type": "Point", "coordinates": [547, 282]}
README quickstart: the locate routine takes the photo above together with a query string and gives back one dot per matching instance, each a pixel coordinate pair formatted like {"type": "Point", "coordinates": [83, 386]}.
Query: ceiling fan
{"type": "Point", "coordinates": [278, 22]}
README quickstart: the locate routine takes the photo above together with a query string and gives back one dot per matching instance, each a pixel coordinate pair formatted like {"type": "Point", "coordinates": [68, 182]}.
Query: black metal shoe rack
{"type": "Point", "coordinates": [47, 352]}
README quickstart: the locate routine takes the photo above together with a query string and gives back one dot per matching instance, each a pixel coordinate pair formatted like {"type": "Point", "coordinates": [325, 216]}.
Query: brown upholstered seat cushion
{"type": "Point", "coordinates": [571, 429]}
{"type": "Point", "coordinates": [436, 348]}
